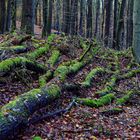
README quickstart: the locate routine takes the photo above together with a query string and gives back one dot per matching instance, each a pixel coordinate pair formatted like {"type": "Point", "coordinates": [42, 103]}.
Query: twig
{"type": "Point", "coordinates": [51, 114]}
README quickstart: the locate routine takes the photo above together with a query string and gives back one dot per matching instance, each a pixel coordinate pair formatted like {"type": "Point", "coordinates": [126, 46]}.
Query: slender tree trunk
{"type": "Point", "coordinates": [130, 23]}
{"type": "Point", "coordinates": [36, 9]}
{"type": "Point", "coordinates": [66, 16]}
{"type": "Point", "coordinates": [45, 17]}
{"type": "Point", "coordinates": [97, 17]}
{"type": "Point", "coordinates": [27, 23]}
{"type": "Point", "coordinates": [103, 19]}
{"type": "Point", "coordinates": [8, 16]}
{"type": "Point", "coordinates": [136, 30]}
{"type": "Point", "coordinates": [89, 18]}
{"type": "Point", "coordinates": [2, 16]}
{"type": "Point", "coordinates": [82, 26]}
{"type": "Point", "coordinates": [13, 15]}
{"type": "Point", "coordinates": [115, 22]}
{"type": "Point", "coordinates": [39, 15]}
{"type": "Point", "coordinates": [49, 22]}
{"type": "Point", "coordinates": [74, 18]}
{"type": "Point", "coordinates": [120, 32]}
{"type": "Point", "coordinates": [108, 10]}
{"type": "Point", "coordinates": [58, 14]}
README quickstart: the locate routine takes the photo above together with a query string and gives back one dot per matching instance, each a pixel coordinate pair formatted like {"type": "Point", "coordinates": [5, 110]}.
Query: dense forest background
{"type": "Point", "coordinates": [69, 69]}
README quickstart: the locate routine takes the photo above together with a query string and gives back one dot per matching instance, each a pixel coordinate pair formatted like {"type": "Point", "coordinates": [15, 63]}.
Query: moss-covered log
{"type": "Point", "coordinates": [41, 50]}
{"type": "Point", "coordinates": [108, 87]}
{"type": "Point", "coordinates": [15, 49]}
{"type": "Point", "coordinates": [91, 75]}
{"type": "Point", "coordinates": [97, 102]}
{"type": "Point", "coordinates": [15, 114]}
{"type": "Point", "coordinates": [125, 98]}
{"type": "Point", "coordinates": [49, 74]}
{"type": "Point", "coordinates": [11, 63]}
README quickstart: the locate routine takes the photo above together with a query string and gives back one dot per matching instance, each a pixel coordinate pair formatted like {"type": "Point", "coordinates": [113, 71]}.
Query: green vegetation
{"type": "Point", "coordinates": [107, 99]}
{"type": "Point", "coordinates": [90, 76]}
{"type": "Point", "coordinates": [11, 63]}
{"type": "Point", "coordinates": [54, 57]}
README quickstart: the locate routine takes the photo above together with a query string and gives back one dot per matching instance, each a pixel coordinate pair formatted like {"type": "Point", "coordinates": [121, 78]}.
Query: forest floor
{"type": "Point", "coordinates": [81, 122]}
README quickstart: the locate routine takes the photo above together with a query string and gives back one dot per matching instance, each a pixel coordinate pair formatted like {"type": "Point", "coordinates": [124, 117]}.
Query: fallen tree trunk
{"type": "Point", "coordinates": [10, 64]}
{"type": "Point", "coordinates": [15, 114]}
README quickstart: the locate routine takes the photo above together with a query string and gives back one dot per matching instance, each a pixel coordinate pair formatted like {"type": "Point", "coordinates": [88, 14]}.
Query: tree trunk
{"type": "Point", "coordinates": [130, 23]}
{"type": "Point", "coordinates": [49, 22]}
{"type": "Point", "coordinates": [66, 16]}
{"type": "Point", "coordinates": [136, 30]}
{"type": "Point", "coordinates": [45, 17]}
{"type": "Point", "coordinates": [115, 23]}
{"type": "Point", "coordinates": [89, 18]}
{"type": "Point", "coordinates": [8, 16]}
{"type": "Point", "coordinates": [82, 26]}
{"type": "Point", "coordinates": [120, 31]}
{"type": "Point", "coordinates": [97, 18]}
{"type": "Point", "coordinates": [108, 10]}
{"type": "Point", "coordinates": [2, 16]}
{"type": "Point", "coordinates": [74, 18]}
{"type": "Point", "coordinates": [27, 23]}
{"type": "Point", "coordinates": [13, 15]}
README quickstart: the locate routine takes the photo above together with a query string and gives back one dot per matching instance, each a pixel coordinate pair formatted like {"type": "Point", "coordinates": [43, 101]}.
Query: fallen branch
{"type": "Point", "coordinates": [52, 114]}
{"type": "Point", "coordinates": [9, 64]}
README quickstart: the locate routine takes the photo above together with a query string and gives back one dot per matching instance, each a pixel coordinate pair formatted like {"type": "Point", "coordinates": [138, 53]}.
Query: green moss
{"type": "Point", "coordinates": [108, 87]}
{"type": "Point", "coordinates": [50, 38]}
{"type": "Point", "coordinates": [53, 90]}
{"type": "Point", "coordinates": [45, 78]}
{"type": "Point", "coordinates": [37, 138]}
{"type": "Point", "coordinates": [61, 71]}
{"type": "Point", "coordinates": [98, 102]}
{"type": "Point", "coordinates": [54, 57]}
{"type": "Point", "coordinates": [75, 67]}
{"type": "Point", "coordinates": [11, 63]}
{"type": "Point", "coordinates": [7, 64]}
{"type": "Point", "coordinates": [38, 52]}
{"type": "Point", "coordinates": [124, 99]}
{"type": "Point", "coordinates": [90, 76]}
{"type": "Point", "coordinates": [42, 50]}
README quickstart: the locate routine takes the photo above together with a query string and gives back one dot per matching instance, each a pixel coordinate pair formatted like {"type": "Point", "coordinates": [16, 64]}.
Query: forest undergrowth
{"type": "Point", "coordinates": [67, 88]}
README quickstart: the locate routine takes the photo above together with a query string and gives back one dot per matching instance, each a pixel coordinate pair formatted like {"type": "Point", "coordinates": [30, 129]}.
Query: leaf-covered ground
{"type": "Point", "coordinates": [82, 121]}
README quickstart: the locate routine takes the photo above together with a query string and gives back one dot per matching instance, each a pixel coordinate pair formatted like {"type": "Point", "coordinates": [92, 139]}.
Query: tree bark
{"type": "Point", "coordinates": [2, 16]}
{"type": "Point", "coordinates": [45, 17]}
{"type": "Point", "coordinates": [27, 23]}
{"type": "Point", "coordinates": [136, 30]}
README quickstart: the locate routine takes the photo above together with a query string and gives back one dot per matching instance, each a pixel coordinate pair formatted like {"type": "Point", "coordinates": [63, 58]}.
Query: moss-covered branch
{"type": "Point", "coordinates": [108, 87]}
{"type": "Point", "coordinates": [91, 75]}
{"type": "Point", "coordinates": [49, 74]}
{"type": "Point", "coordinates": [11, 63]}
{"type": "Point", "coordinates": [97, 102]}
{"type": "Point", "coordinates": [15, 49]}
